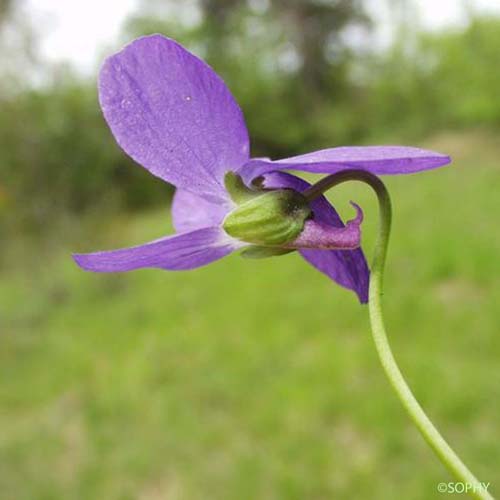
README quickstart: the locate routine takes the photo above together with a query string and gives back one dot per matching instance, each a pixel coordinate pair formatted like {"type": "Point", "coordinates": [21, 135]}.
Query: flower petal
{"type": "Point", "coordinates": [174, 253]}
{"type": "Point", "coordinates": [379, 160]}
{"type": "Point", "coordinates": [190, 211]}
{"type": "Point", "coordinates": [346, 267]}
{"type": "Point", "coordinates": [173, 114]}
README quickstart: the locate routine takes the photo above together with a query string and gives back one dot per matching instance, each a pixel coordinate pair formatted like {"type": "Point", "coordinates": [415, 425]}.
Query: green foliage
{"type": "Point", "coordinates": [467, 73]}
{"type": "Point", "coordinates": [58, 156]}
{"type": "Point", "coordinates": [447, 79]}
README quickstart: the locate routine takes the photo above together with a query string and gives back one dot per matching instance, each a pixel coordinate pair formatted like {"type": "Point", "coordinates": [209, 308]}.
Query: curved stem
{"type": "Point", "coordinates": [447, 456]}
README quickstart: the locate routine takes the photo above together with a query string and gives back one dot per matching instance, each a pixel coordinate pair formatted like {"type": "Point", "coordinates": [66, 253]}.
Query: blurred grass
{"type": "Point", "coordinates": [256, 379]}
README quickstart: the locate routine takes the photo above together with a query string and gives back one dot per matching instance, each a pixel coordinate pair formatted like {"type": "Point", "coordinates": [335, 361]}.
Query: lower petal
{"type": "Point", "coordinates": [348, 268]}
{"type": "Point", "coordinates": [175, 253]}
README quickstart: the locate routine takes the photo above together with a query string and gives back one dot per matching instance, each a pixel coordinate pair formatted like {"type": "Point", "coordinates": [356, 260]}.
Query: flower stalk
{"type": "Point", "coordinates": [440, 447]}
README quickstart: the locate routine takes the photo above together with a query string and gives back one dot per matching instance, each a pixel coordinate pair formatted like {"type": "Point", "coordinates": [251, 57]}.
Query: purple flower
{"type": "Point", "coordinates": [175, 116]}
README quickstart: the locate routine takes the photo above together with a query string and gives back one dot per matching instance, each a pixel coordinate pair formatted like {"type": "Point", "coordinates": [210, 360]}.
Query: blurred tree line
{"type": "Point", "coordinates": [291, 65]}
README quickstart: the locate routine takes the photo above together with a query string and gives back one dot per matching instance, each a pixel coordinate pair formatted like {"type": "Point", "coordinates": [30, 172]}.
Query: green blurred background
{"type": "Point", "coordinates": [250, 379]}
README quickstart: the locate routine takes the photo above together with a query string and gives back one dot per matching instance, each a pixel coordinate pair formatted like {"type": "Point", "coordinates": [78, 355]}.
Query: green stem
{"type": "Point", "coordinates": [447, 456]}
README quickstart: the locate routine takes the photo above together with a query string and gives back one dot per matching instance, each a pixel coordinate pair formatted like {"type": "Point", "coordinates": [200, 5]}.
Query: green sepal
{"type": "Point", "coordinates": [256, 252]}
{"type": "Point", "coordinates": [238, 191]}
{"type": "Point", "coordinates": [272, 218]}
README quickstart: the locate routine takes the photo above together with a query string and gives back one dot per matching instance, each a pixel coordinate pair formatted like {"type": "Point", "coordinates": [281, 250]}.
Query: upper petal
{"type": "Point", "coordinates": [173, 114]}
{"type": "Point", "coordinates": [190, 211]}
{"type": "Point", "coordinates": [174, 253]}
{"type": "Point", "coordinates": [379, 160]}
{"type": "Point", "coordinates": [346, 267]}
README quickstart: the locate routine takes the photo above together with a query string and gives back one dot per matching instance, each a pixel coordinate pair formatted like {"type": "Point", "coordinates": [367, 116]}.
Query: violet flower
{"type": "Point", "coordinates": [171, 113]}
{"type": "Point", "coordinates": [174, 115]}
